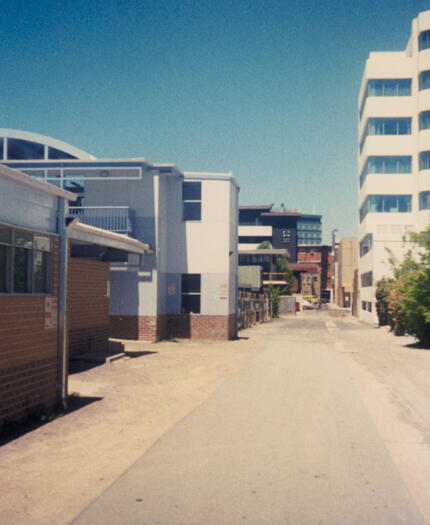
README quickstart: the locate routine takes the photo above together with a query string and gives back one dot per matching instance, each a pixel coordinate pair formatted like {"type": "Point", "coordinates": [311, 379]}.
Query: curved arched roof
{"type": "Point", "coordinates": [43, 140]}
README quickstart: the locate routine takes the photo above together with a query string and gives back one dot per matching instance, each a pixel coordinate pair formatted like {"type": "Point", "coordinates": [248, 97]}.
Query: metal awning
{"type": "Point", "coordinates": [95, 243]}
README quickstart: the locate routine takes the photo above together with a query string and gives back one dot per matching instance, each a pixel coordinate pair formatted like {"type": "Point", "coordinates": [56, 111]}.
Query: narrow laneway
{"type": "Point", "coordinates": [311, 431]}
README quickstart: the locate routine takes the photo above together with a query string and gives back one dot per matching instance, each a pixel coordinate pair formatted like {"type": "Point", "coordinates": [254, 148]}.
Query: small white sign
{"type": "Point", "coordinates": [51, 313]}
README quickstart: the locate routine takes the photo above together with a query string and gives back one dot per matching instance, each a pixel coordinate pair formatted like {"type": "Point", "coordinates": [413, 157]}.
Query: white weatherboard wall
{"type": "Point", "coordinates": [27, 207]}
{"type": "Point", "coordinates": [389, 229]}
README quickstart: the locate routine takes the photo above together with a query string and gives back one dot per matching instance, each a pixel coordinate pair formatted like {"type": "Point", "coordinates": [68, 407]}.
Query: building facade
{"type": "Point", "coordinates": [187, 285]}
{"type": "Point", "coordinates": [394, 157]}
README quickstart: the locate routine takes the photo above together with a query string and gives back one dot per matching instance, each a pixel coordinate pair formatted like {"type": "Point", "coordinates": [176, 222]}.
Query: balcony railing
{"type": "Point", "coordinates": [117, 219]}
{"type": "Point", "coordinates": [274, 277]}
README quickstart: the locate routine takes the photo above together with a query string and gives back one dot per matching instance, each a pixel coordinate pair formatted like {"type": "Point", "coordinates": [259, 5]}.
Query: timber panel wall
{"type": "Point", "coordinates": [88, 305]}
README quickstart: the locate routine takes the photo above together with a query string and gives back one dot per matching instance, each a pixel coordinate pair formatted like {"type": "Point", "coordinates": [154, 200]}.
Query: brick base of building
{"type": "Point", "coordinates": [28, 389]}
{"type": "Point", "coordinates": [151, 328]}
{"type": "Point", "coordinates": [92, 339]}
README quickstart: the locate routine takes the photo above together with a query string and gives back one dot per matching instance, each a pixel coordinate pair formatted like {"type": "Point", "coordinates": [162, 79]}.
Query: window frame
{"type": "Point", "coordinates": [190, 292]}
{"type": "Point", "coordinates": [28, 271]}
{"type": "Point", "coordinates": [191, 203]}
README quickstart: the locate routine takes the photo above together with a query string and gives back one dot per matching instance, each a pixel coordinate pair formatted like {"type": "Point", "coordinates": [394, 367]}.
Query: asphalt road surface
{"type": "Point", "coordinates": [330, 425]}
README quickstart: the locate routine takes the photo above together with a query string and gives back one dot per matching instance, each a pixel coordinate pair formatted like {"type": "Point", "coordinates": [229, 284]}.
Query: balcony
{"type": "Point", "coordinates": [274, 278]}
{"type": "Point", "coordinates": [118, 219]}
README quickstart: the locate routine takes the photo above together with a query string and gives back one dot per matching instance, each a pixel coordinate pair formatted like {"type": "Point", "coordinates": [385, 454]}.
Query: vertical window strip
{"type": "Point", "coordinates": [424, 120]}
{"type": "Point", "coordinates": [424, 40]}
{"type": "Point", "coordinates": [424, 160]}
{"type": "Point", "coordinates": [424, 80]}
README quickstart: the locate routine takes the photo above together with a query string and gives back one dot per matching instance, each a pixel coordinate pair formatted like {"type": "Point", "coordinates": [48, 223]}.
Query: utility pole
{"type": "Point", "coordinates": [333, 257]}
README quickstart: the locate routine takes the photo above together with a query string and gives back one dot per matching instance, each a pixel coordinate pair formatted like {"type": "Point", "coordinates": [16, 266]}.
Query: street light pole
{"type": "Point", "coordinates": [333, 257]}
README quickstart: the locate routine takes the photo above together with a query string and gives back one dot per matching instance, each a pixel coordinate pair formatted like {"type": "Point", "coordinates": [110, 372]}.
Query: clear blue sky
{"type": "Point", "coordinates": [265, 89]}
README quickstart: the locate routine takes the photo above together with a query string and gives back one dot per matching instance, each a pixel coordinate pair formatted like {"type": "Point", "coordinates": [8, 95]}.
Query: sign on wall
{"type": "Point", "coordinates": [171, 289]}
{"type": "Point", "coordinates": [223, 291]}
{"type": "Point", "coordinates": [51, 313]}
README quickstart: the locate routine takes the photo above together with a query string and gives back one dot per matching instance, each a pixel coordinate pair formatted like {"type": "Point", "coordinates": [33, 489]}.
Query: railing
{"type": "Point", "coordinates": [275, 276]}
{"type": "Point", "coordinates": [117, 219]}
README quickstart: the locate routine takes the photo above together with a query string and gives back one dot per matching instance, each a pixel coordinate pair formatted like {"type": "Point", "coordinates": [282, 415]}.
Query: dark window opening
{"type": "Point", "coordinates": [54, 153]}
{"type": "Point", "coordinates": [18, 149]}
{"type": "Point", "coordinates": [192, 201]}
{"type": "Point", "coordinates": [191, 293]}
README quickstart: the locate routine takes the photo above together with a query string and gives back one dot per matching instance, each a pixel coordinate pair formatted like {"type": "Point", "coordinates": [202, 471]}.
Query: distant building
{"type": "Point", "coordinates": [300, 234]}
{"type": "Point", "coordinates": [346, 268]}
{"type": "Point", "coordinates": [394, 156]}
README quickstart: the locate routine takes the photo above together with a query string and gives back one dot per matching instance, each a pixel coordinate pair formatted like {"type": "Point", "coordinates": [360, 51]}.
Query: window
{"type": "Point", "coordinates": [424, 79]}
{"type": "Point", "coordinates": [386, 204]}
{"type": "Point", "coordinates": [366, 244]}
{"type": "Point", "coordinates": [369, 306]}
{"type": "Point", "coordinates": [386, 87]}
{"type": "Point", "coordinates": [425, 200]}
{"type": "Point", "coordinates": [363, 305]}
{"type": "Point", "coordinates": [424, 40]}
{"type": "Point", "coordinates": [386, 126]}
{"type": "Point", "coordinates": [386, 164]}
{"type": "Point", "coordinates": [424, 160]}
{"type": "Point", "coordinates": [424, 120]}
{"type": "Point", "coordinates": [25, 261]}
{"type": "Point", "coordinates": [1, 148]}
{"type": "Point", "coordinates": [190, 293]}
{"type": "Point", "coordinates": [54, 153]}
{"type": "Point", "coordinates": [192, 201]}
{"type": "Point", "coordinates": [366, 279]}
{"type": "Point", "coordinates": [18, 149]}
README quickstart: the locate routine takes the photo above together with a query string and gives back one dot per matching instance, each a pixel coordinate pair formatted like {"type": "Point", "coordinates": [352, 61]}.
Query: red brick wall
{"type": "Point", "coordinates": [28, 354]}
{"type": "Point", "coordinates": [88, 305]}
{"type": "Point", "coordinates": [150, 328]}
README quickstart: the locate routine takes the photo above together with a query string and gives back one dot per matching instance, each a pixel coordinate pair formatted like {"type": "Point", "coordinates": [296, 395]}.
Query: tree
{"type": "Point", "coordinates": [265, 245]}
{"type": "Point", "coordinates": [409, 301]}
{"type": "Point", "coordinates": [275, 293]}
{"type": "Point", "coordinates": [382, 294]}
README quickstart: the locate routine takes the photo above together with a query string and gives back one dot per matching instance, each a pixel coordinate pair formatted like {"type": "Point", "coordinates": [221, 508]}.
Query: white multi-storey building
{"type": "Point", "coordinates": [394, 157]}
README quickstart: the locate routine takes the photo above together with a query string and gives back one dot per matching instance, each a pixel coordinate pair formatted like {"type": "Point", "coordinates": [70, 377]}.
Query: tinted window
{"type": "Point", "coordinates": [1, 149]}
{"type": "Point", "coordinates": [192, 191]}
{"type": "Point", "coordinates": [54, 153]}
{"type": "Point", "coordinates": [18, 149]}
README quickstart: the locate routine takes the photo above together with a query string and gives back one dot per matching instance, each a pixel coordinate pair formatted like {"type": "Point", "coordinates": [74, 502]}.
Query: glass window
{"type": "Point", "coordinates": [25, 261]}
{"type": "Point", "coordinates": [424, 160]}
{"type": "Point", "coordinates": [386, 126]}
{"type": "Point", "coordinates": [386, 204]}
{"type": "Point", "coordinates": [387, 87]}
{"type": "Point", "coordinates": [386, 164]}
{"type": "Point", "coordinates": [21, 270]}
{"type": "Point", "coordinates": [424, 79]}
{"type": "Point", "coordinates": [366, 244]}
{"type": "Point", "coordinates": [425, 200]}
{"type": "Point", "coordinates": [191, 291]}
{"type": "Point", "coordinates": [366, 279]}
{"type": "Point", "coordinates": [192, 200]}
{"type": "Point", "coordinates": [424, 40]}
{"type": "Point", "coordinates": [5, 254]}
{"type": "Point", "coordinates": [425, 120]}
{"type": "Point", "coordinates": [54, 153]}
{"type": "Point", "coordinates": [1, 148]}
{"type": "Point", "coordinates": [18, 149]}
